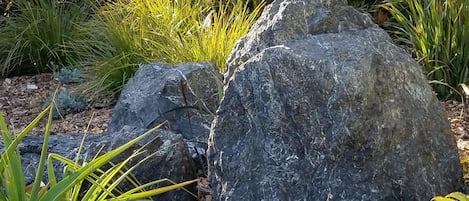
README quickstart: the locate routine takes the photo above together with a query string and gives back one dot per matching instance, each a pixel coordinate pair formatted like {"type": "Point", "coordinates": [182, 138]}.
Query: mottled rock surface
{"type": "Point", "coordinates": [170, 156]}
{"type": "Point", "coordinates": [320, 104]}
{"type": "Point", "coordinates": [186, 95]}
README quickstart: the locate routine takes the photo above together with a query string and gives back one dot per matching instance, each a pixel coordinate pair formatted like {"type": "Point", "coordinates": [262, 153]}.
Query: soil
{"type": "Point", "coordinates": [23, 98]}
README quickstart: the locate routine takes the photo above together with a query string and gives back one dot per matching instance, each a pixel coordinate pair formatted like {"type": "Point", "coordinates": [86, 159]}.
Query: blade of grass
{"type": "Point", "coordinates": [153, 192]}
{"type": "Point", "coordinates": [43, 157]}
{"type": "Point", "coordinates": [12, 174]}
{"type": "Point", "coordinates": [121, 165]}
{"type": "Point", "coordinates": [9, 149]}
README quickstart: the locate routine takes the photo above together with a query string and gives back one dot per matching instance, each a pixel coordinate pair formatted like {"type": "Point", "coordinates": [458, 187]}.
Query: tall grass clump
{"type": "Point", "coordinates": [438, 32]}
{"type": "Point", "coordinates": [37, 34]}
{"type": "Point", "coordinates": [104, 183]}
{"type": "Point", "coordinates": [127, 33]}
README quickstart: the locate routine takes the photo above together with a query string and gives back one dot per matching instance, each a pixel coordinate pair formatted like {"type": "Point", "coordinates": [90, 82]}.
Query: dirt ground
{"type": "Point", "coordinates": [23, 98]}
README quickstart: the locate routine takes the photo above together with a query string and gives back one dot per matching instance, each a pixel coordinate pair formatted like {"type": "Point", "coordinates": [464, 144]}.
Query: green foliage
{"type": "Point", "coordinates": [103, 182]}
{"type": "Point", "coordinates": [363, 6]}
{"type": "Point", "coordinates": [127, 33]}
{"type": "Point", "coordinates": [36, 35]}
{"type": "Point", "coordinates": [67, 75]}
{"type": "Point", "coordinates": [66, 103]}
{"type": "Point", "coordinates": [438, 31]}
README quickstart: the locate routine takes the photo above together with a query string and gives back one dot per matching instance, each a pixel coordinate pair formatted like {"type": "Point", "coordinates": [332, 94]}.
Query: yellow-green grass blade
{"type": "Point", "coordinates": [15, 177]}
{"type": "Point", "coordinates": [457, 196]}
{"type": "Point", "coordinates": [71, 167]}
{"type": "Point", "coordinates": [3, 158]}
{"type": "Point", "coordinates": [13, 146]}
{"type": "Point", "coordinates": [43, 157]}
{"type": "Point", "coordinates": [50, 171]}
{"type": "Point", "coordinates": [72, 194]}
{"type": "Point", "coordinates": [57, 191]}
{"type": "Point", "coordinates": [103, 188]}
{"type": "Point", "coordinates": [125, 174]}
{"type": "Point", "coordinates": [6, 142]}
{"type": "Point", "coordinates": [5, 133]}
{"type": "Point", "coordinates": [71, 164]}
{"type": "Point", "coordinates": [100, 185]}
{"type": "Point", "coordinates": [441, 198]}
{"type": "Point", "coordinates": [11, 171]}
{"type": "Point", "coordinates": [153, 192]}
{"type": "Point", "coordinates": [141, 188]}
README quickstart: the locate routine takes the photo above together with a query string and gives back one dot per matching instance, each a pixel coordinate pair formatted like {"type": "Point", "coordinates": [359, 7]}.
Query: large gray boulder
{"type": "Point", "coordinates": [320, 105]}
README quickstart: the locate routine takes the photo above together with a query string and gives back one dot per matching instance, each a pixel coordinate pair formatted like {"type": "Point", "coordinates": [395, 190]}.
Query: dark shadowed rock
{"type": "Point", "coordinates": [186, 95]}
{"type": "Point", "coordinates": [321, 105]}
{"type": "Point", "coordinates": [168, 156]}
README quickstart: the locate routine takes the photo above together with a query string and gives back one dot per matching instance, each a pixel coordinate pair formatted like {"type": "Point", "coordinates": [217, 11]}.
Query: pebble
{"type": "Point", "coordinates": [31, 86]}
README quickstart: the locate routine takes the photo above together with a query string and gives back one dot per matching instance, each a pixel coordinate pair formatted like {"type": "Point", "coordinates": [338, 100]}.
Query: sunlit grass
{"type": "Point", "coordinates": [128, 33]}
{"type": "Point", "coordinates": [438, 32]}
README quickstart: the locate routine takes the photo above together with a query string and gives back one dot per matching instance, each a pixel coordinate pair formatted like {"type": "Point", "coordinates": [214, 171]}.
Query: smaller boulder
{"type": "Point", "coordinates": [185, 95]}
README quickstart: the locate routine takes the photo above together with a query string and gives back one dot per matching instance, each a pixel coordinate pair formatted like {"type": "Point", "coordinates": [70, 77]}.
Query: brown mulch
{"type": "Point", "coordinates": [23, 98]}
{"type": "Point", "coordinates": [458, 116]}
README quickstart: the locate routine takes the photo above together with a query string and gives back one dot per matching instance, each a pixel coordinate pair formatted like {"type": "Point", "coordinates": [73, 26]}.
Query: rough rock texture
{"type": "Point", "coordinates": [186, 95]}
{"type": "Point", "coordinates": [171, 160]}
{"type": "Point", "coordinates": [171, 157]}
{"type": "Point", "coordinates": [290, 20]}
{"type": "Point", "coordinates": [320, 105]}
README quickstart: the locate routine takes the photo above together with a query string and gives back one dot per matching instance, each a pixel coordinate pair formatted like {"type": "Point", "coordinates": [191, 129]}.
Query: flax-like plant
{"type": "Point", "coordinates": [438, 31]}
{"type": "Point", "coordinates": [104, 183]}
{"type": "Point", "coordinates": [128, 33]}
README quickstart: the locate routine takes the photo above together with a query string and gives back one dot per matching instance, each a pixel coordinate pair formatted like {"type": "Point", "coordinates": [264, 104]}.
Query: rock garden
{"type": "Point", "coordinates": [256, 100]}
